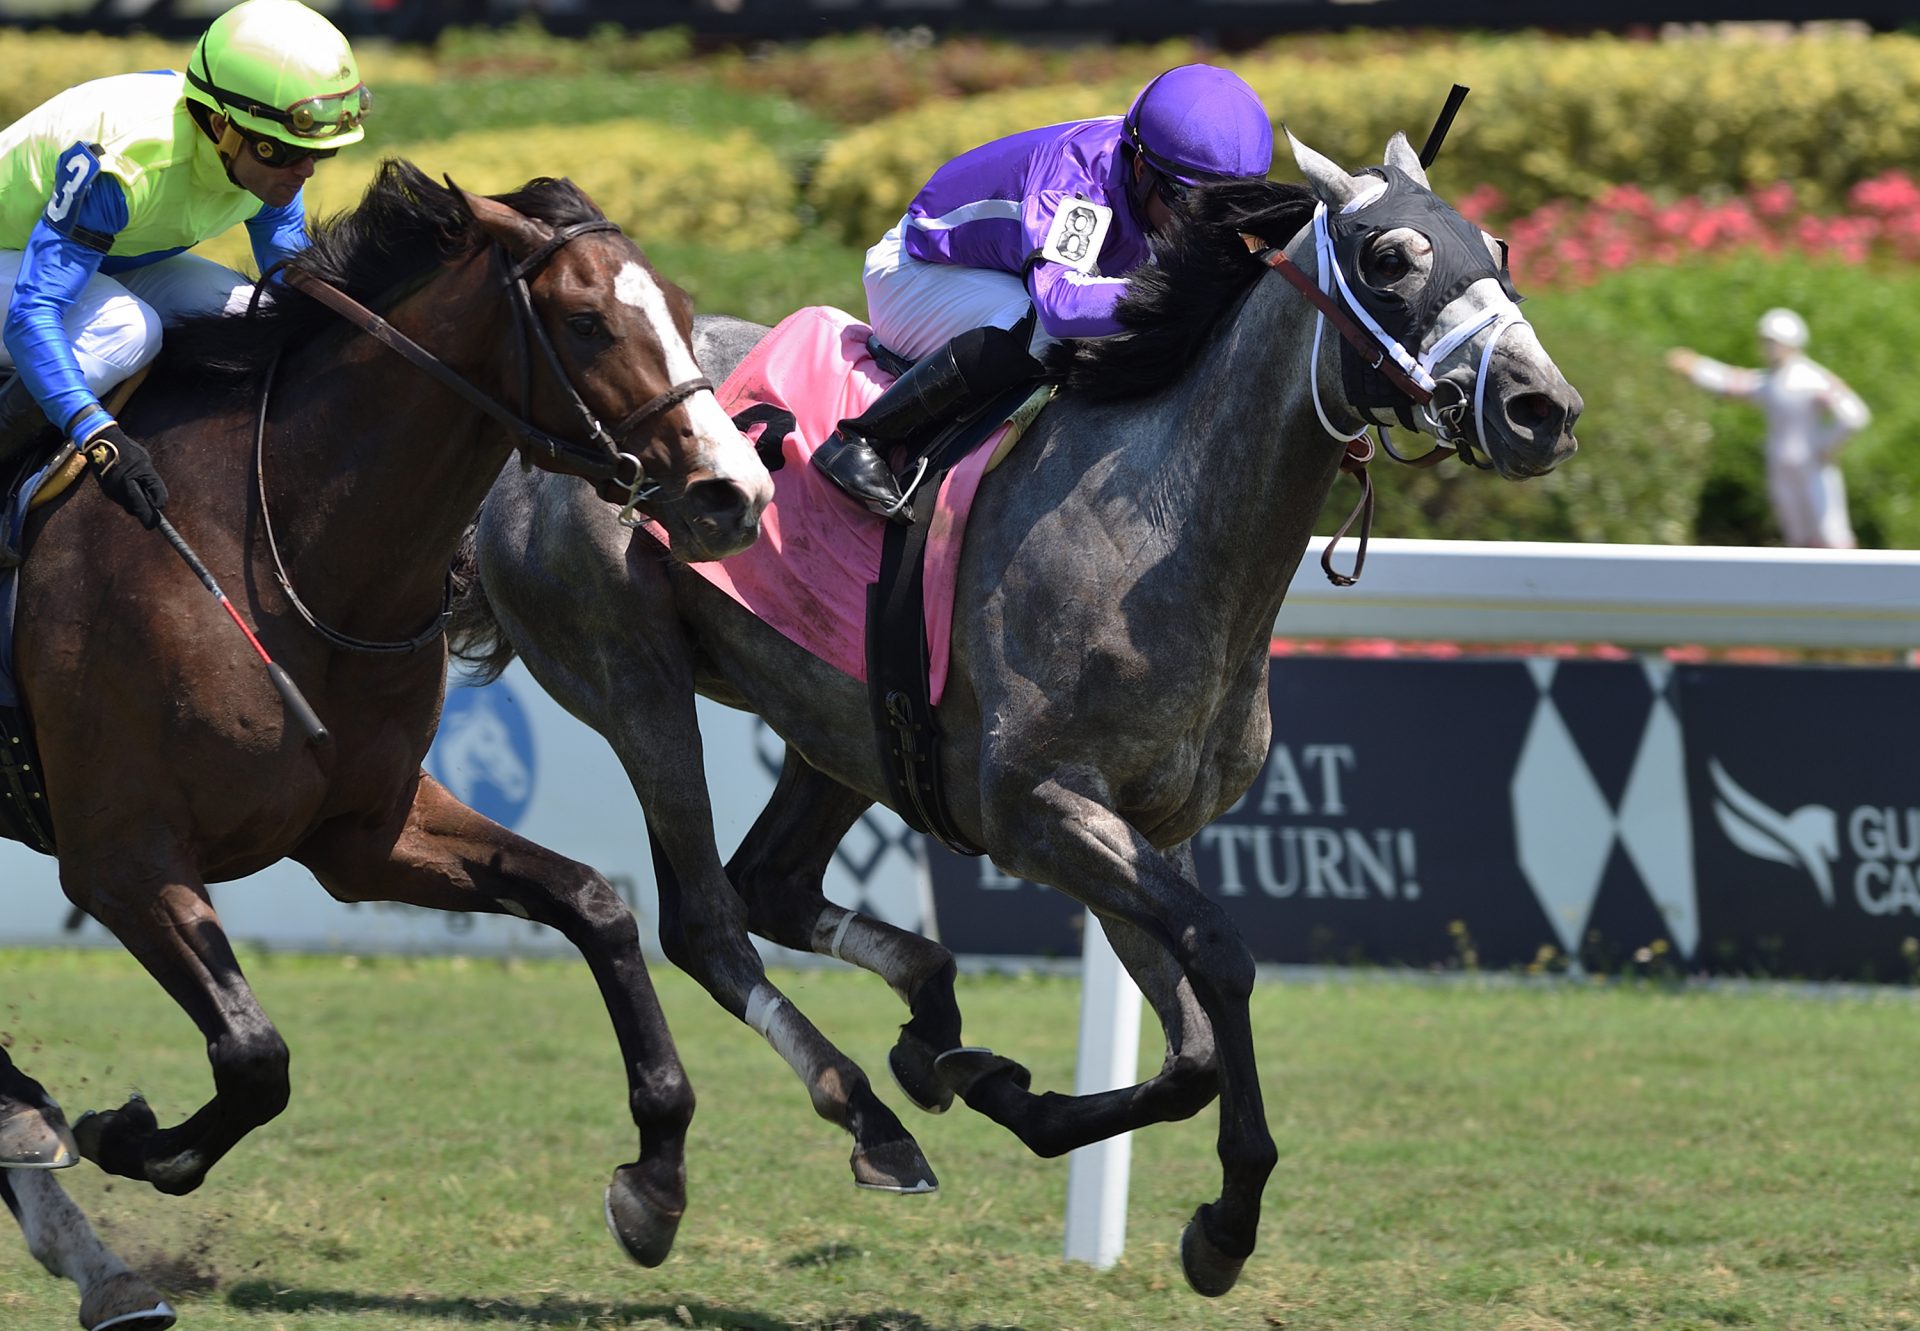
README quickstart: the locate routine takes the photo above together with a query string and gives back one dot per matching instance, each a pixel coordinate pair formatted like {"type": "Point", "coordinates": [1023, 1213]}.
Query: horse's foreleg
{"type": "Point", "coordinates": [779, 869]}
{"type": "Point", "coordinates": [703, 930]}
{"type": "Point", "coordinates": [61, 1240]}
{"type": "Point", "coordinates": [161, 914]}
{"type": "Point", "coordinates": [1051, 1124]}
{"type": "Point", "coordinates": [1061, 836]}
{"type": "Point", "coordinates": [447, 857]}
{"type": "Point", "coordinates": [33, 1131]}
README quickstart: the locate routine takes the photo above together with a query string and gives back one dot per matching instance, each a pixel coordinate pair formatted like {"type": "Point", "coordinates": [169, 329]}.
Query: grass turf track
{"type": "Point", "coordinates": [1474, 1154]}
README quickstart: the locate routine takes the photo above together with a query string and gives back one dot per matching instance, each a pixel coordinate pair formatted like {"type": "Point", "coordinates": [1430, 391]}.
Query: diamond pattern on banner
{"type": "Point", "coordinates": [1604, 764]}
{"type": "Point", "coordinates": [1605, 708]}
{"type": "Point", "coordinates": [1562, 822]}
{"type": "Point", "coordinates": [1657, 829]}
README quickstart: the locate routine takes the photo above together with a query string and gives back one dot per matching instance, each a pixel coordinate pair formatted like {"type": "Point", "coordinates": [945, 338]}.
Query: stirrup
{"type": "Point", "coordinates": [902, 512]}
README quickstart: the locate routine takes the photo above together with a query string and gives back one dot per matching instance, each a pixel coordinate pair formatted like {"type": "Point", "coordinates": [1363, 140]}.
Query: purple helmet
{"type": "Point", "coordinates": [1199, 123]}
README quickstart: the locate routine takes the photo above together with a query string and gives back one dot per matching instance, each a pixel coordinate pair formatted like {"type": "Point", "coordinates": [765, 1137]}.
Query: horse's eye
{"type": "Point", "coordinates": [586, 325]}
{"type": "Point", "coordinates": [1390, 263]}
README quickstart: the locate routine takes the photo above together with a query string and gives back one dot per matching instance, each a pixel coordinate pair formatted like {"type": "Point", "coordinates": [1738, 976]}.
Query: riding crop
{"type": "Point", "coordinates": [289, 691]}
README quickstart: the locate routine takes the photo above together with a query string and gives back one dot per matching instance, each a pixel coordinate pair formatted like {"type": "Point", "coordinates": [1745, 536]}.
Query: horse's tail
{"type": "Point", "coordinates": [474, 634]}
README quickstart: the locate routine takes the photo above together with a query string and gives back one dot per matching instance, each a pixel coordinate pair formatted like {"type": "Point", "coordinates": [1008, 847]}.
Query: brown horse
{"type": "Point", "coordinates": [169, 760]}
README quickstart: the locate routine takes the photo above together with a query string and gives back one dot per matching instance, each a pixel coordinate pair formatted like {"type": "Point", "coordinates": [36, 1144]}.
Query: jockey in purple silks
{"type": "Point", "coordinates": [1027, 240]}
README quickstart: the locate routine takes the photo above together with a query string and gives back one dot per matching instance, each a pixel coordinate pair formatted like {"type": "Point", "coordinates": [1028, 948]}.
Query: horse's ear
{"type": "Point", "coordinates": [519, 233]}
{"type": "Point", "coordinates": [1327, 179]}
{"type": "Point", "coordinates": [1400, 153]}
{"type": "Point", "coordinates": [460, 196]}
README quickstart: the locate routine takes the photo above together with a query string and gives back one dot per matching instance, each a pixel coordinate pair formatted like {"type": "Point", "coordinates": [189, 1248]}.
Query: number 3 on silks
{"type": "Point", "coordinates": [75, 172]}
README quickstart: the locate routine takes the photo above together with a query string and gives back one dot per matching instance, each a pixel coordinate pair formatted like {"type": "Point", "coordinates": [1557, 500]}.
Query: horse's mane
{"type": "Point", "coordinates": [1201, 267]}
{"type": "Point", "coordinates": [405, 228]}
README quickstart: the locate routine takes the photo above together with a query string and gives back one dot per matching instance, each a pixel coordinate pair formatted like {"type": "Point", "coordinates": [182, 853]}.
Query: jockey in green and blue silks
{"type": "Point", "coordinates": [1027, 240]}
{"type": "Point", "coordinates": [104, 188]}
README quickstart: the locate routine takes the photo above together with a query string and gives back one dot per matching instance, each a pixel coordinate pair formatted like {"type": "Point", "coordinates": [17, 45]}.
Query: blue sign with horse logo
{"type": "Point", "coordinates": [484, 752]}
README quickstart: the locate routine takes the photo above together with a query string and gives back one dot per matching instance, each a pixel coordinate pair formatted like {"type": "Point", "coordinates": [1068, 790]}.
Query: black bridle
{"type": "Point", "coordinates": [619, 476]}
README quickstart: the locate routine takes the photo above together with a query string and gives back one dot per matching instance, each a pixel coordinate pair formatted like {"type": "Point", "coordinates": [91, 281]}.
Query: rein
{"type": "Point", "coordinates": [604, 464]}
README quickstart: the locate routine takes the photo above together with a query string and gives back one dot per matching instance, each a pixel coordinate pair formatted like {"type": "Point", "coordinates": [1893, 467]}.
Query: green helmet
{"type": "Point", "coordinates": [277, 70]}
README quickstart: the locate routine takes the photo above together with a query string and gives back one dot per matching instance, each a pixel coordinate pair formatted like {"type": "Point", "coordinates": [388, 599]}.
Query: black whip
{"type": "Point", "coordinates": [289, 691]}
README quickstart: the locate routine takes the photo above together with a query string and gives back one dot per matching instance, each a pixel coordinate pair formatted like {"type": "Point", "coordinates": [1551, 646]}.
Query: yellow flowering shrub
{"type": "Point", "coordinates": [1548, 118]}
{"type": "Point", "coordinates": [39, 64]}
{"type": "Point", "coordinates": [656, 181]}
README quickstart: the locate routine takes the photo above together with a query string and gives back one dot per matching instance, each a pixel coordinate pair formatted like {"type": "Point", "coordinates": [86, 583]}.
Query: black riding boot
{"type": "Point", "coordinates": [851, 456]}
{"type": "Point", "coordinates": [22, 425]}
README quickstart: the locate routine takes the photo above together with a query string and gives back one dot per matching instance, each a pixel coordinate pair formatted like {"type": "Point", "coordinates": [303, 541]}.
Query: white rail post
{"type": "Point", "coordinates": [1109, 1059]}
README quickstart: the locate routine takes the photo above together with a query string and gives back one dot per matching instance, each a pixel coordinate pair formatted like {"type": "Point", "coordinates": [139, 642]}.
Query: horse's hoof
{"type": "Point", "coordinates": [125, 1303]}
{"type": "Point", "coordinates": [36, 1138]}
{"type": "Point", "coordinates": [114, 1138]}
{"type": "Point", "coordinates": [644, 1228]}
{"type": "Point", "coordinates": [1208, 1269]}
{"type": "Point", "coordinates": [911, 1060]}
{"type": "Point", "coordinates": [964, 1069]}
{"type": "Point", "coordinates": [895, 1166]}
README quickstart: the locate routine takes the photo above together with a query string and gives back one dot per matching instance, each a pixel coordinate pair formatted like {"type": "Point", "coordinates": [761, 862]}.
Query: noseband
{"type": "Point", "coordinates": [618, 476]}
{"type": "Point", "coordinates": [557, 454]}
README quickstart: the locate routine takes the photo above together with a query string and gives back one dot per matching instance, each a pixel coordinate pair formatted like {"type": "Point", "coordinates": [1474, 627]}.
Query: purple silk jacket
{"type": "Point", "coordinates": [992, 207]}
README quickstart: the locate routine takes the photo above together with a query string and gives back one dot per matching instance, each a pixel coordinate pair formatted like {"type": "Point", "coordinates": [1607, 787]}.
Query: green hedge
{"type": "Point", "coordinates": [1548, 118]}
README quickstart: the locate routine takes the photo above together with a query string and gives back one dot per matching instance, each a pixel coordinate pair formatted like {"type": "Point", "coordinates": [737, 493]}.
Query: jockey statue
{"type": "Point", "coordinates": [104, 187]}
{"type": "Point", "coordinates": [1027, 240]}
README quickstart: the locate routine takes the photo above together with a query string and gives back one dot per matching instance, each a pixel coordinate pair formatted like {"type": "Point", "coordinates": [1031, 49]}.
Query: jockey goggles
{"type": "Point", "coordinates": [280, 156]}
{"type": "Point", "coordinates": [319, 117]}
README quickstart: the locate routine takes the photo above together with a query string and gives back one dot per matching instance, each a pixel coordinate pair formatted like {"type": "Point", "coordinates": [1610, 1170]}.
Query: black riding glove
{"type": "Point", "coordinates": [126, 473]}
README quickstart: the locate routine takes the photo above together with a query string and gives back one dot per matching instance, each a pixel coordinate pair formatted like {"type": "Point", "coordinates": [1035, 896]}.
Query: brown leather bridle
{"type": "Point", "coordinates": [618, 476]}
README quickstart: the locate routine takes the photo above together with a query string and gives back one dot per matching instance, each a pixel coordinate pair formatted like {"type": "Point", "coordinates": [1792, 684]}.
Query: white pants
{"type": "Point", "coordinates": [918, 307]}
{"type": "Point", "coordinates": [114, 326]}
{"type": "Point", "coordinates": [1810, 502]}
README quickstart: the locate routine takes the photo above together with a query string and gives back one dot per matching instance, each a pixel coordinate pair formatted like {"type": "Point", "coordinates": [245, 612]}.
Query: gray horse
{"type": "Point", "coordinates": [1107, 696]}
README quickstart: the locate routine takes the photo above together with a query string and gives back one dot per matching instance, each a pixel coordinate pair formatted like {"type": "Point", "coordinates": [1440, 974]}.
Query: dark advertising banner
{"type": "Point", "coordinates": [1738, 819]}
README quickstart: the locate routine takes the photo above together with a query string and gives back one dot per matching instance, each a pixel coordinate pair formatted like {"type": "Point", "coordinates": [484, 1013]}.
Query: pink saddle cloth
{"type": "Point", "coordinates": [808, 574]}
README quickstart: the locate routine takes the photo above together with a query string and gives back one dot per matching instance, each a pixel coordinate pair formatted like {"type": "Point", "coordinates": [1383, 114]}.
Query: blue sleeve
{"type": "Point", "coordinates": [279, 233]}
{"type": "Point", "coordinates": [84, 213]}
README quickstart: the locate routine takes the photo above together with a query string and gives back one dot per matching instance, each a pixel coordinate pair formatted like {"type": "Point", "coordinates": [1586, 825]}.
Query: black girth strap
{"type": "Point", "coordinates": [904, 719]}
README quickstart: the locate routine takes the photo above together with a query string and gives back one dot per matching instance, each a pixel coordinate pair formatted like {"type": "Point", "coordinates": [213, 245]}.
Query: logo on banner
{"type": "Point", "coordinates": [1884, 843]}
{"type": "Point", "coordinates": [1808, 838]}
{"type": "Point", "coordinates": [484, 752]}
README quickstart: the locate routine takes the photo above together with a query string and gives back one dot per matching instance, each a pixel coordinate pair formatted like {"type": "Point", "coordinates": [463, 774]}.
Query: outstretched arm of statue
{"type": "Point", "coordinates": [1714, 376]}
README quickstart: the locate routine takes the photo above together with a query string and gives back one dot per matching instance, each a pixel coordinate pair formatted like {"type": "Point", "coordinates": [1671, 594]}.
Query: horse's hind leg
{"type": "Point", "coordinates": [33, 1131]}
{"type": "Point", "coordinates": [447, 857]}
{"type": "Point", "coordinates": [779, 869]}
{"type": "Point", "coordinates": [60, 1239]}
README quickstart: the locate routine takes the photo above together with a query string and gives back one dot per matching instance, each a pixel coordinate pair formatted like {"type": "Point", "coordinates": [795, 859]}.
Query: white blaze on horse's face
{"type": "Point", "coordinates": [724, 451]}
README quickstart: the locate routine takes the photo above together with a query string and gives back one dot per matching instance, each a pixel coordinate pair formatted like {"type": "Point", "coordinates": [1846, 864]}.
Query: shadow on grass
{"type": "Point", "coordinates": [260, 1296]}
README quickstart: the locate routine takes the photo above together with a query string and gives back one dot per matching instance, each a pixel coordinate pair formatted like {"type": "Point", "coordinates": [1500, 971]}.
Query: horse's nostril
{"type": "Point", "coordinates": [1532, 411]}
{"type": "Point", "coordinates": [716, 501]}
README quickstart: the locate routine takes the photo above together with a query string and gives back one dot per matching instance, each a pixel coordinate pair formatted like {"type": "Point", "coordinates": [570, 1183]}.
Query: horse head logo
{"type": "Point", "coordinates": [1808, 838]}
{"type": "Point", "coordinates": [484, 753]}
